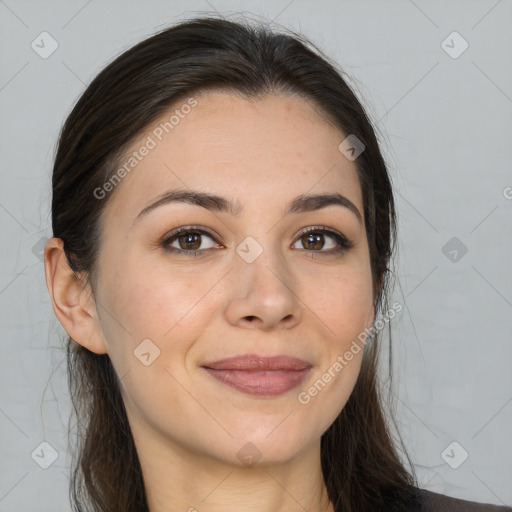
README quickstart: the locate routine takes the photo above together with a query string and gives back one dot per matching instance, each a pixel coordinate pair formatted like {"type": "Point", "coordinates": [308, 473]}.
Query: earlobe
{"type": "Point", "coordinates": [72, 302]}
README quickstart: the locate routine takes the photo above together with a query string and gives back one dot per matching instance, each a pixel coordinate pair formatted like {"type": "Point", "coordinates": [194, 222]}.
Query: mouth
{"type": "Point", "coordinates": [259, 376]}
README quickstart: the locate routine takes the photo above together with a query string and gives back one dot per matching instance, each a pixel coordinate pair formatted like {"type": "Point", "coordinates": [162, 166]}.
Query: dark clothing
{"type": "Point", "coordinates": [413, 499]}
{"type": "Point", "coordinates": [434, 502]}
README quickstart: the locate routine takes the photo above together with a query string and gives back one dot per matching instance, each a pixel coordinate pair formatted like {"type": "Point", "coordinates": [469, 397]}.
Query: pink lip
{"type": "Point", "coordinates": [260, 376]}
{"type": "Point", "coordinates": [258, 363]}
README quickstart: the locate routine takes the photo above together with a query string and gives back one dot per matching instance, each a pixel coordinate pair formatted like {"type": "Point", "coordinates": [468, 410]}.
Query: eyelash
{"type": "Point", "coordinates": [343, 242]}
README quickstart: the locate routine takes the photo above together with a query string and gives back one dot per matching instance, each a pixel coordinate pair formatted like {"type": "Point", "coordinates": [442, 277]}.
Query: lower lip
{"type": "Point", "coordinates": [259, 383]}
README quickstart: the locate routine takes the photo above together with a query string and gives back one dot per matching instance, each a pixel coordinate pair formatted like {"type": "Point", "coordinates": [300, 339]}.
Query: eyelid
{"type": "Point", "coordinates": [322, 229]}
{"type": "Point", "coordinates": [174, 233]}
{"type": "Point", "coordinates": [344, 244]}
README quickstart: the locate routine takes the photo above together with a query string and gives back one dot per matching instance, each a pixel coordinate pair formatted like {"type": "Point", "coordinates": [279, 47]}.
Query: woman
{"type": "Point", "coordinates": [223, 222]}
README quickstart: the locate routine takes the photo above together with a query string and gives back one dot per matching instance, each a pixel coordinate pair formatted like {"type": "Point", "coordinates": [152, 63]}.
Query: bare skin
{"type": "Point", "coordinates": [298, 298]}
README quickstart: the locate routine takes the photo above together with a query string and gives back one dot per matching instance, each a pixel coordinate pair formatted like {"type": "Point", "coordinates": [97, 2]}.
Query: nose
{"type": "Point", "coordinates": [263, 295]}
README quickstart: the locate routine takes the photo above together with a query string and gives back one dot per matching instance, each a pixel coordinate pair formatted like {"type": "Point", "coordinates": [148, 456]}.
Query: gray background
{"type": "Point", "coordinates": [445, 125]}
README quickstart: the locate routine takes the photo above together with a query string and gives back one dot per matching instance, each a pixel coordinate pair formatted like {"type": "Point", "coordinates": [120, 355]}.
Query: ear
{"type": "Point", "coordinates": [73, 303]}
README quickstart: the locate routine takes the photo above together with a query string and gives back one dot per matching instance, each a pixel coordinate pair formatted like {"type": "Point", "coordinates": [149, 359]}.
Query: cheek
{"type": "Point", "coordinates": [167, 311]}
{"type": "Point", "coordinates": [343, 302]}
{"type": "Point", "coordinates": [345, 310]}
{"type": "Point", "coordinates": [152, 302]}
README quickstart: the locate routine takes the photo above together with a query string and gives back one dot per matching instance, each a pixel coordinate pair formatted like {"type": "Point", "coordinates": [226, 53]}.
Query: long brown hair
{"type": "Point", "coordinates": [361, 461]}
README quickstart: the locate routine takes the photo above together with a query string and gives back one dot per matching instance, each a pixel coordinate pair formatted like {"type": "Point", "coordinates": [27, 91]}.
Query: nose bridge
{"type": "Point", "coordinates": [262, 285]}
{"type": "Point", "coordinates": [261, 259]}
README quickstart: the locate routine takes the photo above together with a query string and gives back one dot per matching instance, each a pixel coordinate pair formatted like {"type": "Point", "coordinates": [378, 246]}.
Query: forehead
{"type": "Point", "coordinates": [260, 151]}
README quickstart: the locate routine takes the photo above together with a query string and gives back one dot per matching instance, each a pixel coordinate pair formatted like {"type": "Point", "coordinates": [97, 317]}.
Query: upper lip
{"type": "Point", "coordinates": [255, 362]}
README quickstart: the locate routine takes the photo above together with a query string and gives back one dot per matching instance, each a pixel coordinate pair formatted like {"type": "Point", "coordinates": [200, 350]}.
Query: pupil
{"type": "Point", "coordinates": [314, 240]}
{"type": "Point", "coordinates": [189, 239]}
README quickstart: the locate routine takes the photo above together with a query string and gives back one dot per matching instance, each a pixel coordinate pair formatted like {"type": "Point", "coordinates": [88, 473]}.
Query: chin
{"type": "Point", "coordinates": [274, 448]}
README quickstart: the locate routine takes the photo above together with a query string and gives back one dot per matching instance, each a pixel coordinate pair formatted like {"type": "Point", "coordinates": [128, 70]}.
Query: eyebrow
{"type": "Point", "coordinates": [301, 204]}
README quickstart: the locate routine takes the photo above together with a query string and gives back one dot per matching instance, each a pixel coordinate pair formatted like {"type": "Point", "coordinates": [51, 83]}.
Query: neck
{"type": "Point", "coordinates": [177, 479]}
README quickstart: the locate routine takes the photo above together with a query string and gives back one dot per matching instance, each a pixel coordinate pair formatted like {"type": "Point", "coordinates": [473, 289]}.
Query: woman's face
{"type": "Point", "coordinates": [258, 284]}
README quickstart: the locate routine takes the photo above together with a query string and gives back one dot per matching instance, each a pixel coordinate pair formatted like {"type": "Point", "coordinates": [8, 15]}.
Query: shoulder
{"type": "Point", "coordinates": [434, 502]}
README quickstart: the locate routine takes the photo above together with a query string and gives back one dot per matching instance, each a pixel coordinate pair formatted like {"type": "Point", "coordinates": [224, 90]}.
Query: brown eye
{"type": "Point", "coordinates": [323, 240]}
{"type": "Point", "coordinates": [189, 241]}
{"type": "Point", "coordinates": [313, 241]}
